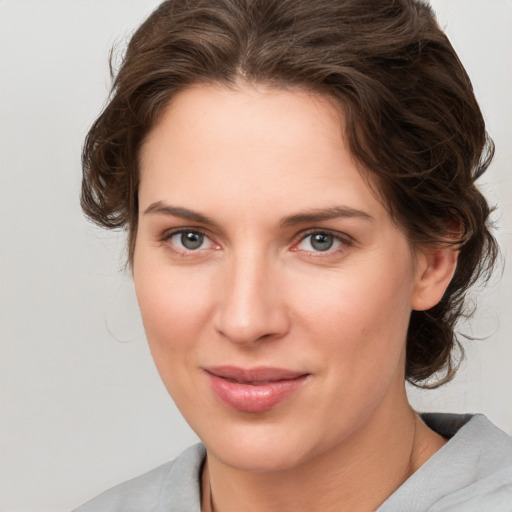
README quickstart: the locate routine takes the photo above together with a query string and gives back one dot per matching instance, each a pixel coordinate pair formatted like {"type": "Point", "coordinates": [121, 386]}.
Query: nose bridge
{"type": "Point", "coordinates": [251, 307]}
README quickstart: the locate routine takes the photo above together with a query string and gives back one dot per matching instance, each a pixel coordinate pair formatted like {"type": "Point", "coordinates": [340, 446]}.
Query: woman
{"type": "Point", "coordinates": [297, 180]}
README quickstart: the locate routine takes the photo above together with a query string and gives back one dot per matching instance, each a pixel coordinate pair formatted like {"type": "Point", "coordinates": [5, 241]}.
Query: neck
{"type": "Point", "coordinates": [357, 475]}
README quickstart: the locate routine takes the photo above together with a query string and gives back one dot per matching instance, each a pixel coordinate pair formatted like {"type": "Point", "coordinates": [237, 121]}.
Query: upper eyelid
{"type": "Point", "coordinates": [337, 234]}
{"type": "Point", "coordinates": [168, 233]}
{"type": "Point", "coordinates": [299, 237]}
{"type": "Point", "coordinates": [166, 236]}
{"type": "Point", "coordinates": [345, 241]}
{"type": "Point", "coordinates": [301, 234]}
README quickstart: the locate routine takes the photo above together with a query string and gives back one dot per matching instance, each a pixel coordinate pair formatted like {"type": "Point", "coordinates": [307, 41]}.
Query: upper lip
{"type": "Point", "coordinates": [261, 374]}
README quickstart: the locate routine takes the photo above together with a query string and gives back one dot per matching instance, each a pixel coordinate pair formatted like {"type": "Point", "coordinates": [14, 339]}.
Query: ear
{"type": "Point", "coordinates": [435, 269]}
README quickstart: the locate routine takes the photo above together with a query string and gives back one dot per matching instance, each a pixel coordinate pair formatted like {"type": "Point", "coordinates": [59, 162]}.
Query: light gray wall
{"type": "Point", "coordinates": [82, 406]}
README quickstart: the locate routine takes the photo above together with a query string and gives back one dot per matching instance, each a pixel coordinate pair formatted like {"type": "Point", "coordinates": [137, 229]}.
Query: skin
{"type": "Point", "coordinates": [254, 161]}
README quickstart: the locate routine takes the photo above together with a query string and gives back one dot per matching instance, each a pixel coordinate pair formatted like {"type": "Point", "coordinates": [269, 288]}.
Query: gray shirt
{"type": "Point", "coordinates": [471, 473]}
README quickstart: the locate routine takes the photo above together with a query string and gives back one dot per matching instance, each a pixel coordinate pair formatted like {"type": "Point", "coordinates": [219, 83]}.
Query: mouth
{"type": "Point", "coordinates": [256, 389]}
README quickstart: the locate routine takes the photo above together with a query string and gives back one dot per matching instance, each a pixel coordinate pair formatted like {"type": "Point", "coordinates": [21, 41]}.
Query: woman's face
{"type": "Point", "coordinates": [274, 287]}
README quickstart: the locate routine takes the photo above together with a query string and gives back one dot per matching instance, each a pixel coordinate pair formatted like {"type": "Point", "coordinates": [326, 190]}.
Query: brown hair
{"type": "Point", "coordinates": [412, 120]}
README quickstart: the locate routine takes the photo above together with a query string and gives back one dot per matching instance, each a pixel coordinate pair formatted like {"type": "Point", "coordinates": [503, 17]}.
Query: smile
{"type": "Point", "coordinates": [253, 390]}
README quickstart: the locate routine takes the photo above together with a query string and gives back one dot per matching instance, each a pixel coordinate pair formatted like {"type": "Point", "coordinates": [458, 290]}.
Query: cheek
{"type": "Point", "coordinates": [361, 315]}
{"type": "Point", "coordinates": [174, 306]}
{"type": "Point", "coordinates": [365, 299]}
{"type": "Point", "coordinates": [174, 309]}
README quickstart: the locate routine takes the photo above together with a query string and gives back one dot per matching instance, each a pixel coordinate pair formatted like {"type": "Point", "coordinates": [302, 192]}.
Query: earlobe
{"type": "Point", "coordinates": [436, 267]}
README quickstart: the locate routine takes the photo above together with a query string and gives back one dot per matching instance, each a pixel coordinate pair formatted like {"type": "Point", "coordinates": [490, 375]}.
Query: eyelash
{"type": "Point", "coordinates": [168, 235]}
{"type": "Point", "coordinates": [344, 241]}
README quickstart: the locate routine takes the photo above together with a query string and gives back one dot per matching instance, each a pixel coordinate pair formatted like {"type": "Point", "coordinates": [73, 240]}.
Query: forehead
{"type": "Point", "coordinates": [276, 148]}
{"type": "Point", "coordinates": [253, 113]}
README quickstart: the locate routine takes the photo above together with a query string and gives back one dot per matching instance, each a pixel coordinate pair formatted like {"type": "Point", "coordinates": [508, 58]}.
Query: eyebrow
{"type": "Point", "coordinates": [306, 217]}
{"type": "Point", "coordinates": [317, 215]}
{"type": "Point", "coordinates": [178, 211]}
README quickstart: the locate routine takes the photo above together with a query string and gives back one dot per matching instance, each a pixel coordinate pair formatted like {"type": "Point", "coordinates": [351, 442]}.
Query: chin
{"type": "Point", "coordinates": [262, 450]}
{"type": "Point", "coordinates": [258, 459]}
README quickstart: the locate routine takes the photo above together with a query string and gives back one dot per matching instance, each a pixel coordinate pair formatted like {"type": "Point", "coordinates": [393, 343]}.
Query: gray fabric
{"type": "Point", "coordinates": [471, 473]}
{"type": "Point", "coordinates": [172, 487]}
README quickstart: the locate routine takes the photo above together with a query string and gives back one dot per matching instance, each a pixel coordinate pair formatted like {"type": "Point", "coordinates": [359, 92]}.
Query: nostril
{"type": "Point", "coordinates": [256, 329]}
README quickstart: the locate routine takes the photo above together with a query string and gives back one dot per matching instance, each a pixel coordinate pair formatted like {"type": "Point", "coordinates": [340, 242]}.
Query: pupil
{"type": "Point", "coordinates": [192, 240]}
{"type": "Point", "coordinates": [321, 242]}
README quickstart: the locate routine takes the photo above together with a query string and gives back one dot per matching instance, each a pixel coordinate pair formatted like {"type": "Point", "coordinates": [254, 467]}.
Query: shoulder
{"type": "Point", "coordinates": [171, 487]}
{"type": "Point", "coordinates": [472, 472]}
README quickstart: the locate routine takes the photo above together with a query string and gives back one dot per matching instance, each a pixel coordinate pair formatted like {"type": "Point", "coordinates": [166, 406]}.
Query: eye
{"type": "Point", "coordinates": [189, 240]}
{"type": "Point", "coordinates": [320, 241]}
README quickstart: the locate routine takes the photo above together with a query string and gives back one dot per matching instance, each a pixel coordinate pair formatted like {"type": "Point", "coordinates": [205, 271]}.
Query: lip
{"type": "Point", "coordinates": [253, 389]}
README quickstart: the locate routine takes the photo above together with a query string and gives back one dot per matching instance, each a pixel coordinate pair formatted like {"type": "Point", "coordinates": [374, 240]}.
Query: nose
{"type": "Point", "coordinates": [251, 306]}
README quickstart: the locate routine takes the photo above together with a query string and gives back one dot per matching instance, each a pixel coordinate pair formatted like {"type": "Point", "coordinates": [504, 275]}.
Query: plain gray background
{"type": "Point", "coordinates": [82, 406]}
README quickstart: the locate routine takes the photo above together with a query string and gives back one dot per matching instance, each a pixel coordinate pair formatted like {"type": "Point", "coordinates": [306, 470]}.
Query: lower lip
{"type": "Point", "coordinates": [253, 398]}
